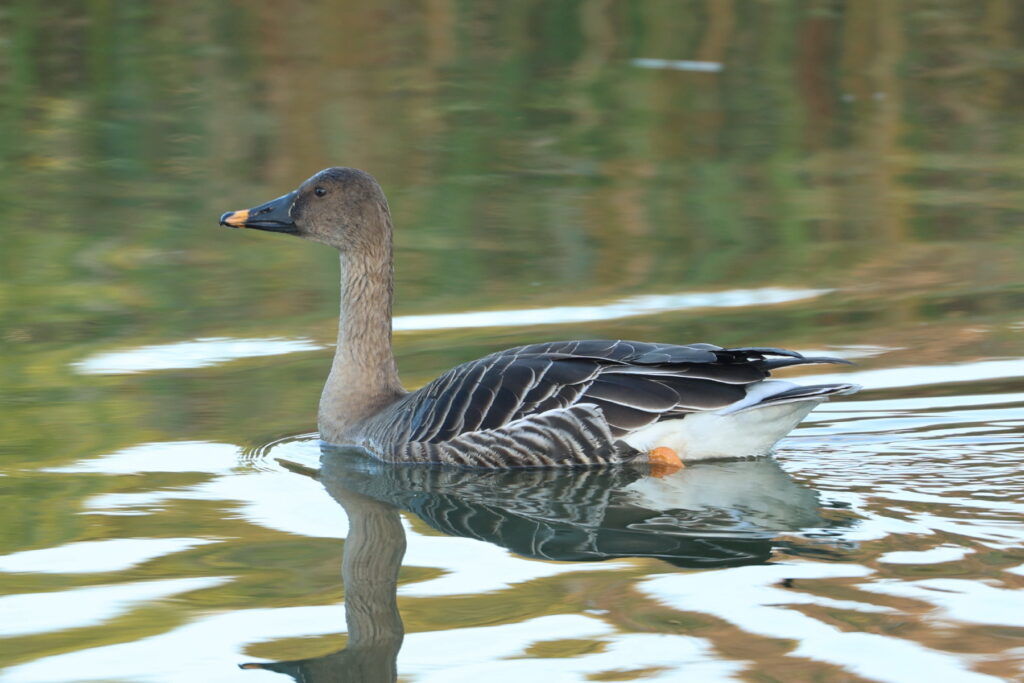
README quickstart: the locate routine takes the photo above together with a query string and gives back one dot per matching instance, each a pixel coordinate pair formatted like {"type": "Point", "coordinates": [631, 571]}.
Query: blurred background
{"type": "Point", "coordinates": [819, 175]}
{"type": "Point", "coordinates": [531, 159]}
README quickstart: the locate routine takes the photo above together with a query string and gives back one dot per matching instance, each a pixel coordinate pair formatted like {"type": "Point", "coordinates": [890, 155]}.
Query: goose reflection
{"type": "Point", "coordinates": [369, 568]}
{"type": "Point", "coordinates": [719, 514]}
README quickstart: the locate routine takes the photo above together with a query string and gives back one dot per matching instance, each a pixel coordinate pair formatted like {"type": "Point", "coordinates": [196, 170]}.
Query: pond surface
{"type": "Point", "coordinates": [840, 178]}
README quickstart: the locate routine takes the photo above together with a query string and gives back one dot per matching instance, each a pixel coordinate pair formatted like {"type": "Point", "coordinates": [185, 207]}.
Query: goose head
{"type": "Point", "coordinates": [340, 207]}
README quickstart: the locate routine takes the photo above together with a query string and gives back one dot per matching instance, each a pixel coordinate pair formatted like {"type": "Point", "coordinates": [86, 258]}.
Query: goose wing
{"type": "Point", "coordinates": [633, 384]}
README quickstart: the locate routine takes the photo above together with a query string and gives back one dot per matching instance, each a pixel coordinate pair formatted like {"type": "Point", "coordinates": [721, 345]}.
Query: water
{"type": "Point", "coordinates": [835, 178]}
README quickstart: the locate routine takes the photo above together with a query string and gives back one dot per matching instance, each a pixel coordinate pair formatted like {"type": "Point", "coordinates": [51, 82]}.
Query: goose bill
{"type": "Point", "coordinates": [274, 216]}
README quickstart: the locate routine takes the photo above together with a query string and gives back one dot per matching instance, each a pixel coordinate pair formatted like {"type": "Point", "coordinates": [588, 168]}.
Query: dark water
{"type": "Point", "coordinates": [825, 176]}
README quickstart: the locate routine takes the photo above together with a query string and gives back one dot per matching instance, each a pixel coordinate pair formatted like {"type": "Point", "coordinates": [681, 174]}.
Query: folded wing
{"type": "Point", "coordinates": [632, 383]}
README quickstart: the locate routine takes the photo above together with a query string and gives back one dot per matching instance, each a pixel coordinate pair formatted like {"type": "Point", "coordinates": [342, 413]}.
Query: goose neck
{"type": "Point", "coordinates": [364, 376]}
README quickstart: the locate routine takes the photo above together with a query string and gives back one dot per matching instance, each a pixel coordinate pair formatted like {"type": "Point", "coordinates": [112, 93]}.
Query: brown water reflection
{"type": "Point", "coordinates": [864, 149]}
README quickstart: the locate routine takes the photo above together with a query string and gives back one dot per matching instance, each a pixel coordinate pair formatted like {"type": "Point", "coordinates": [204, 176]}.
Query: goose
{"type": "Point", "coordinates": [548, 404]}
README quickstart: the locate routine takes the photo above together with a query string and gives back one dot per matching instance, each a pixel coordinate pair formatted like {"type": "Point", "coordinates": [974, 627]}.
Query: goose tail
{"type": "Point", "coordinates": [747, 428]}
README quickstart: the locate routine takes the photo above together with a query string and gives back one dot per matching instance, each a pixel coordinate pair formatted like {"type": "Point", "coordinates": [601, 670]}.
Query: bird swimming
{"type": "Point", "coordinates": [550, 404]}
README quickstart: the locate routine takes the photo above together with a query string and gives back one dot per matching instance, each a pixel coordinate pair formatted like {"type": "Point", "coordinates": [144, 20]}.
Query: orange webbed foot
{"type": "Point", "coordinates": [664, 461]}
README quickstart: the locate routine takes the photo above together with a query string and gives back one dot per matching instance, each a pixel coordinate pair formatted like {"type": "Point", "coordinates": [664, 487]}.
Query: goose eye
{"type": "Point", "coordinates": [320, 192]}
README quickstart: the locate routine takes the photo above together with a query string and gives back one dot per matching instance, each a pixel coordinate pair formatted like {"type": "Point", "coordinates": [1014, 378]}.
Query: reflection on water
{"type": "Point", "coordinates": [201, 353]}
{"type": "Point", "coordinates": [374, 548]}
{"type": "Point", "coordinates": [604, 170]}
{"type": "Point", "coordinates": [198, 353]}
{"type": "Point", "coordinates": [709, 515]}
{"type": "Point", "coordinates": [888, 524]}
{"type": "Point", "coordinates": [719, 514]}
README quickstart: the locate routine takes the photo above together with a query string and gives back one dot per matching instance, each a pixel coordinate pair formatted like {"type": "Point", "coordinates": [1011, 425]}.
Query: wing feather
{"type": "Point", "coordinates": [623, 385]}
{"type": "Point", "coordinates": [622, 419]}
{"type": "Point", "coordinates": [563, 397]}
{"type": "Point", "coordinates": [731, 374]}
{"type": "Point", "coordinates": [634, 391]}
{"type": "Point", "coordinates": [702, 394]}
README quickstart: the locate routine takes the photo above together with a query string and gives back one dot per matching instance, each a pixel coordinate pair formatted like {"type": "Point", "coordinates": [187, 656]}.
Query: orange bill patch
{"type": "Point", "coordinates": [236, 219]}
